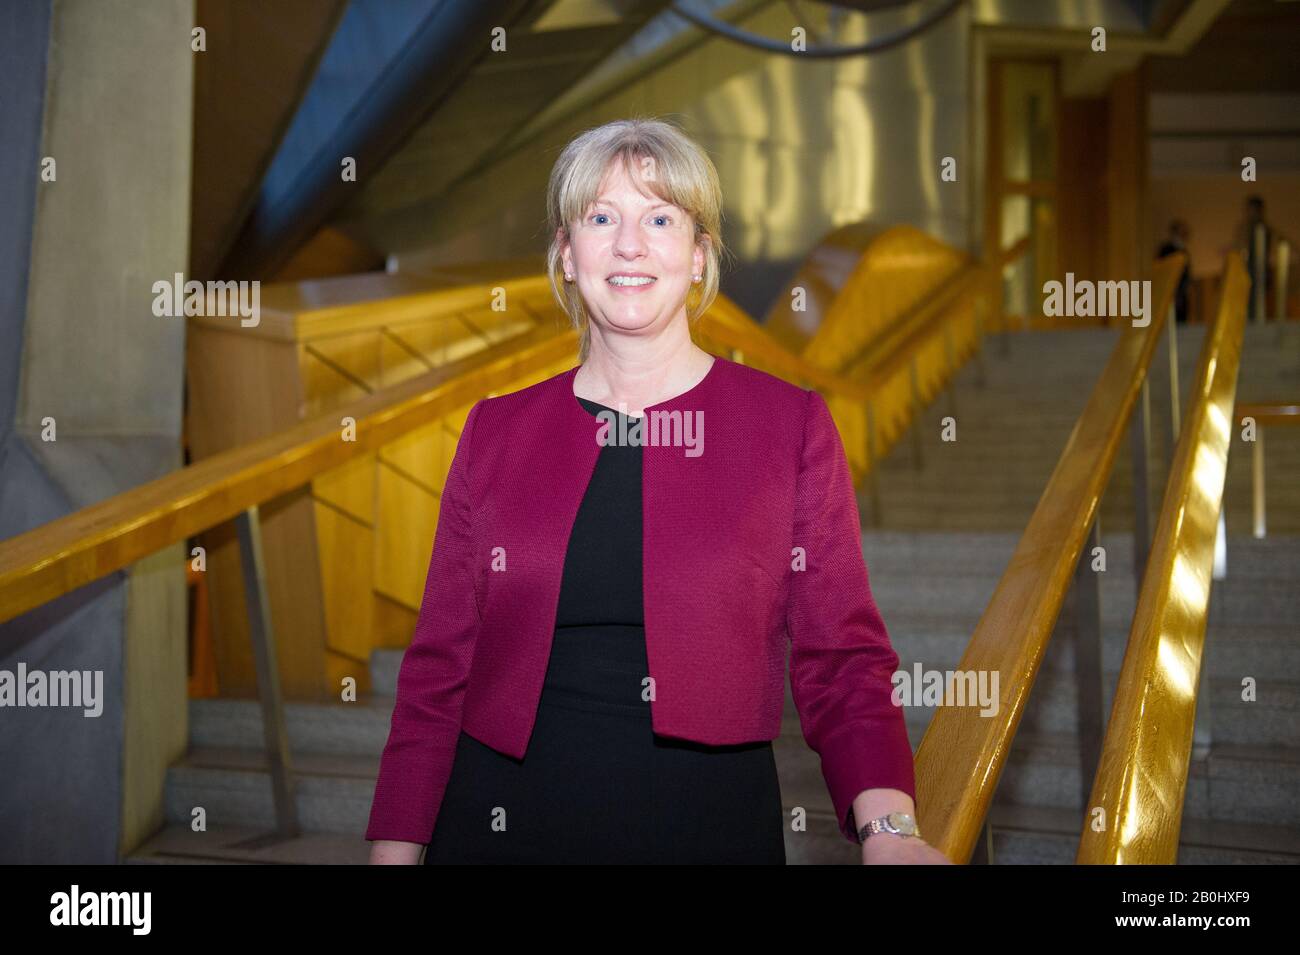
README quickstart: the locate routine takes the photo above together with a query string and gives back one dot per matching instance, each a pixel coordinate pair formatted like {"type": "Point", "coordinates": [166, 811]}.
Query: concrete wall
{"type": "Point", "coordinates": [117, 102]}
{"type": "Point", "coordinates": [24, 40]}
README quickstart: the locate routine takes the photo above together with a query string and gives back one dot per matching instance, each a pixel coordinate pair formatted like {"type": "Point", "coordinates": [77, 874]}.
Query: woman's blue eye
{"type": "Point", "coordinates": [601, 215]}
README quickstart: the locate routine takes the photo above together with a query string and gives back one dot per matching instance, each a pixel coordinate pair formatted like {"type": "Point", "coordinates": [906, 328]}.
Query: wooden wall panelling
{"type": "Point", "coordinates": [1126, 176]}
{"type": "Point", "coordinates": [336, 370]}
{"type": "Point", "coordinates": [344, 547]}
{"type": "Point", "coordinates": [411, 475]}
{"type": "Point", "coordinates": [242, 388]}
{"type": "Point", "coordinates": [1082, 192]}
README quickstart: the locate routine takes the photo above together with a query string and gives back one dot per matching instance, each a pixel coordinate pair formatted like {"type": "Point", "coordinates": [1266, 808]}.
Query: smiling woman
{"type": "Point", "coordinates": [636, 218]}
{"type": "Point", "coordinates": [597, 670]}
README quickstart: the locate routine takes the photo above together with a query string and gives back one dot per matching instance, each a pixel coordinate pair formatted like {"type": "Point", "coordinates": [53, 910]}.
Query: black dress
{"type": "Point", "coordinates": [596, 784]}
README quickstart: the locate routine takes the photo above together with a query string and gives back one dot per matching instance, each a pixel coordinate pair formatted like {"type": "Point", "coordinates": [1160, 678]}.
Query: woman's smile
{"type": "Point", "coordinates": [630, 283]}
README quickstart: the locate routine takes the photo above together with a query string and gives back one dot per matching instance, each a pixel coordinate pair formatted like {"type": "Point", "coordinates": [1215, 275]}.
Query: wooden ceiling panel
{"type": "Point", "coordinates": [247, 83]}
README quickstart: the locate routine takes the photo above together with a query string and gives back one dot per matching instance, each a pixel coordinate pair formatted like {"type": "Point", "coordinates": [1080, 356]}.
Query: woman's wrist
{"type": "Point", "coordinates": [874, 803]}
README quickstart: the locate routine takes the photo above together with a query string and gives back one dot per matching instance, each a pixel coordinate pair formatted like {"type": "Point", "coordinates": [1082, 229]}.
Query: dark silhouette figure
{"type": "Point", "coordinates": [1177, 242]}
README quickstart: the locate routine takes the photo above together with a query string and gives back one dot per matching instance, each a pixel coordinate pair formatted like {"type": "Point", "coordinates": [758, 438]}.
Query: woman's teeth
{"type": "Point", "coordinates": [628, 280]}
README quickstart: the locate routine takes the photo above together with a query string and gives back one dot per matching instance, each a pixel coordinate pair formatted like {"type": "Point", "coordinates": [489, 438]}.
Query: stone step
{"type": "Point", "coordinates": [1270, 720]}
{"type": "Point", "coordinates": [1116, 515]}
{"type": "Point", "coordinates": [1233, 783]}
{"type": "Point", "coordinates": [177, 844]}
{"type": "Point", "coordinates": [1038, 836]}
{"type": "Point", "coordinates": [233, 786]}
{"type": "Point", "coordinates": [334, 795]}
{"type": "Point", "coordinates": [943, 553]}
{"type": "Point", "coordinates": [962, 600]}
{"type": "Point", "coordinates": [1231, 652]}
{"type": "Point", "coordinates": [338, 729]}
{"type": "Point", "coordinates": [362, 728]}
{"type": "Point", "coordinates": [1021, 836]}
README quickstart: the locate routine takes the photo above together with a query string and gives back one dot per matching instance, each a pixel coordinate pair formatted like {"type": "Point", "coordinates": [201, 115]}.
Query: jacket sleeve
{"type": "Point", "coordinates": [841, 660]}
{"type": "Point", "coordinates": [416, 761]}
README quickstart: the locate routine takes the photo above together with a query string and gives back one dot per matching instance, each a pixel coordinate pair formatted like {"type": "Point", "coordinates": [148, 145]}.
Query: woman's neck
{"type": "Point", "coordinates": [634, 382]}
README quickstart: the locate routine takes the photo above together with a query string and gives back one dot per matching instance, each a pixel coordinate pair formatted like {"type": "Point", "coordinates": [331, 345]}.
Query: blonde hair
{"type": "Point", "coordinates": [683, 175]}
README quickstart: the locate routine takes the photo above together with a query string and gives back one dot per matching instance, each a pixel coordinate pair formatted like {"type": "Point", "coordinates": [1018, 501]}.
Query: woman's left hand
{"type": "Point", "coordinates": [884, 848]}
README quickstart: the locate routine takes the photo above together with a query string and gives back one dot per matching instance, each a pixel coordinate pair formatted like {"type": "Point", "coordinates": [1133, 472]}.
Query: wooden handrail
{"type": "Point", "coordinates": [1142, 776]}
{"type": "Point", "coordinates": [727, 325]}
{"type": "Point", "coordinates": [897, 348]}
{"type": "Point", "coordinates": [872, 384]}
{"type": "Point", "coordinates": [346, 305]}
{"type": "Point", "coordinates": [963, 753]}
{"type": "Point", "coordinates": [1269, 412]}
{"type": "Point", "coordinates": [55, 558]}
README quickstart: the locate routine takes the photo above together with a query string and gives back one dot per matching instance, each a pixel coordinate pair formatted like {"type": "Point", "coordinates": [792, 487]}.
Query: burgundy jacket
{"type": "Point", "coordinates": [725, 591]}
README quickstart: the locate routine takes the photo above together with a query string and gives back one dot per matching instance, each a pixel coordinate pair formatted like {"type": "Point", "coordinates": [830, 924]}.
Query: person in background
{"type": "Point", "coordinates": [1177, 242]}
{"type": "Point", "coordinates": [1253, 251]}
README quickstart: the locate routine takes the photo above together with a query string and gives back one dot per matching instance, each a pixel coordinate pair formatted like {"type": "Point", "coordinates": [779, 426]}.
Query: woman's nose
{"type": "Point", "coordinates": [629, 240]}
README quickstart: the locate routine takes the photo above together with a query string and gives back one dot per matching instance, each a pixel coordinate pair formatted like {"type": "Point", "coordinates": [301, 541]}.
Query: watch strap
{"type": "Point", "coordinates": [881, 824]}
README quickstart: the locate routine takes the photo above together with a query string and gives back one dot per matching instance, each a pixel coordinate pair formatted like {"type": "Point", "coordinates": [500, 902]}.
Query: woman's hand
{"type": "Point", "coordinates": [392, 852]}
{"type": "Point", "coordinates": [885, 848]}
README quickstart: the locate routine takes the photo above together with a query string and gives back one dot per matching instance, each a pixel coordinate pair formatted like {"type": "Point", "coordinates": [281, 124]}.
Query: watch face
{"type": "Point", "coordinates": [901, 821]}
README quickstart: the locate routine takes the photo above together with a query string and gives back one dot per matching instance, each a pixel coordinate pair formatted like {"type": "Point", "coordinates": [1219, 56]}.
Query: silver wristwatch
{"type": "Point", "coordinates": [899, 823]}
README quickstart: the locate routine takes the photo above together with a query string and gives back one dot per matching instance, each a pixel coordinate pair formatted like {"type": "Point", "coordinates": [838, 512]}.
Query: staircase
{"type": "Point", "coordinates": [948, 531]}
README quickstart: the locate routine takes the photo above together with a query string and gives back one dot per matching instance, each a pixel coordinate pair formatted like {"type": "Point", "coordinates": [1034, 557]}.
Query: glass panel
{"type": "Point", "coordinates": [1014, 289]}
{"type": "Point", "coordinates": [1015, 277]}
{"type": "Point", "coordinates": [1024, 278]}
{"type": "Point", "coordinates": [1028, 121]}
{"type": "Point", "coordinates": [1016, 220]}
{"type": "Point", "coordinates": [1042, 250]}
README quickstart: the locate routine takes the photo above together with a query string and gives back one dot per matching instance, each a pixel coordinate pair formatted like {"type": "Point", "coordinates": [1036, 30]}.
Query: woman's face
{"type": "Point", "coordinates": [633, 255]}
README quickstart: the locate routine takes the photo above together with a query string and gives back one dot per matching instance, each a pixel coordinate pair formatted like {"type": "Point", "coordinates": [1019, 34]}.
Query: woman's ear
{"type": "Point", "coordinates": [701, 253]}
{"type": "Point", "coordinates": [562, 237]}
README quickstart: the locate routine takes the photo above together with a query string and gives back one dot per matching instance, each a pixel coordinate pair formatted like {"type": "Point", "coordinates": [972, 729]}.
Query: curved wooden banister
{"type": "Point", "coordinates": [893, 352]}
{"type": "Point", "coordinates": [903, 319]}
{"type": "Point", "coordinates": [825, 270]}
{"type": "Point", "coordinates": [963, 753]}
{"type": "Point", "coordinates": [1142, 775]}
{"type": "Point", "coordinates": [727, 325]}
